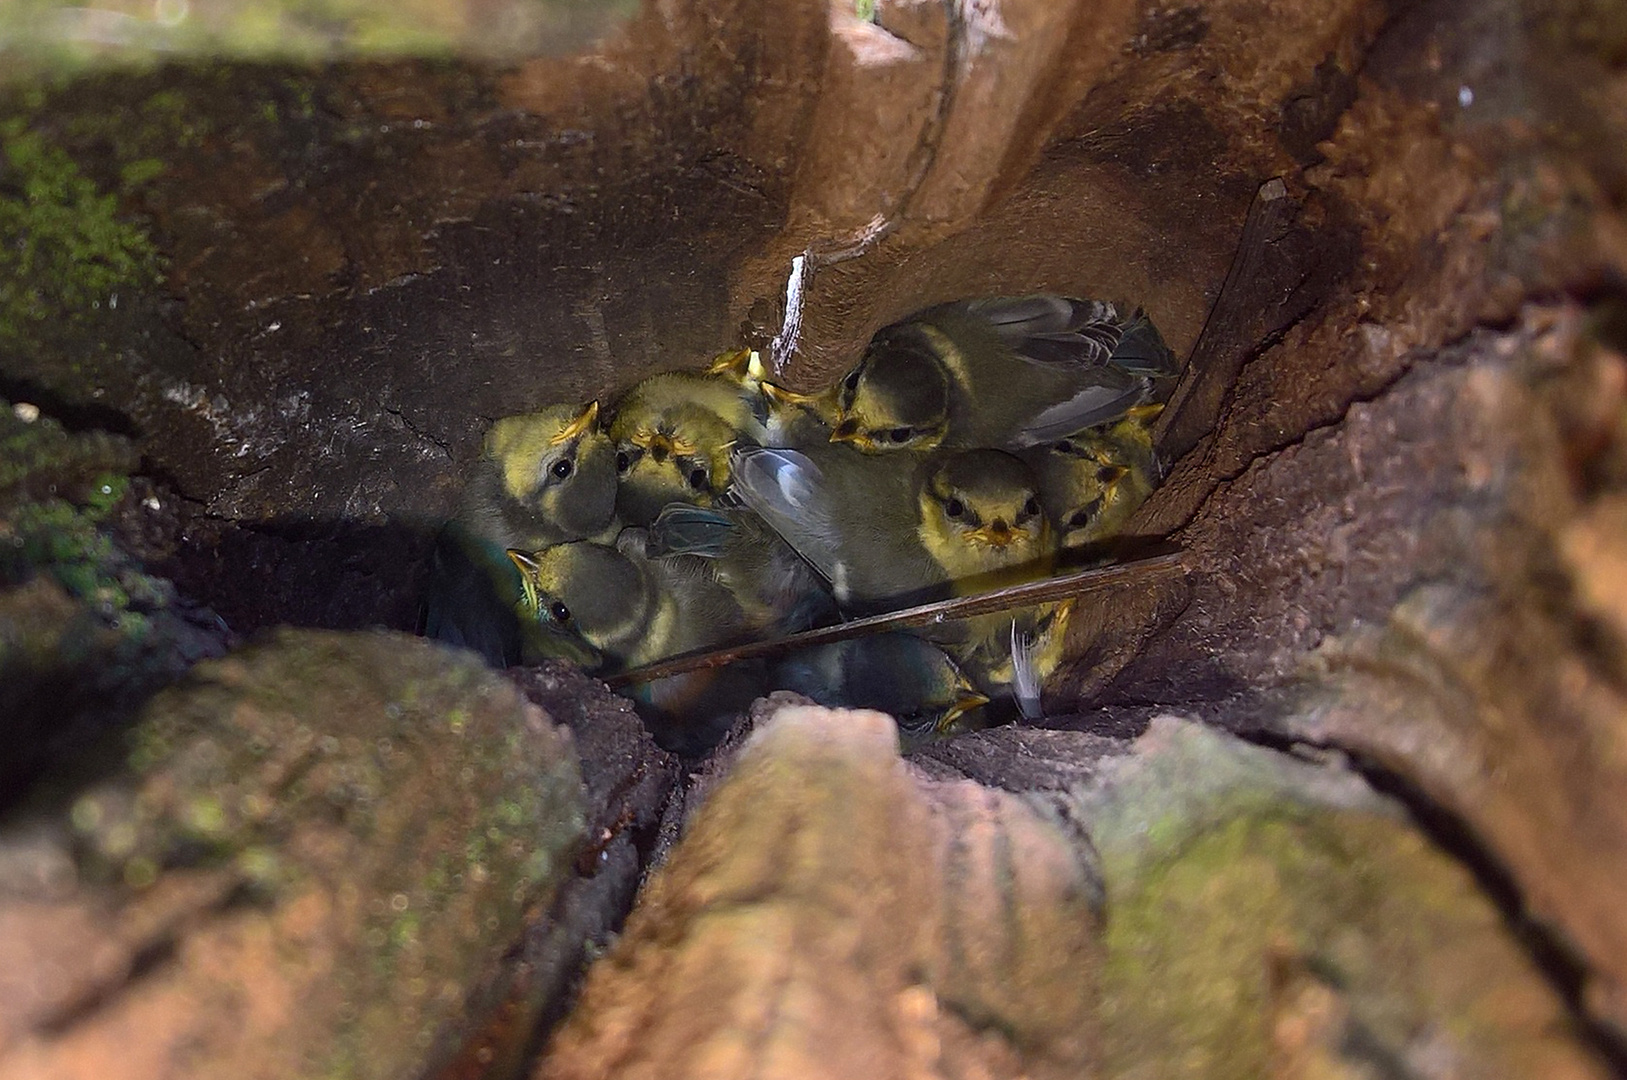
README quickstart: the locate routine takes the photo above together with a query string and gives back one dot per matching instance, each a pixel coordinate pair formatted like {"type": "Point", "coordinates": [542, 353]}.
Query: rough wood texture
{"type": "Point", "coordinates": [828, 916]}
{"type": "Point", "coordinates": [315, 853]}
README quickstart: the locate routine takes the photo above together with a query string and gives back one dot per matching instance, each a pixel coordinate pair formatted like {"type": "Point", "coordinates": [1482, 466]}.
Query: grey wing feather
{"type": "Point", "coordinates": [1114, 394]}
{"type": "Point", "coordinates": [785, 488]}
{"type": "Point", "coordinates": [1049, 329]}
{"type": "Point", "coordinates": [1141, 349]}
{"type": "Point", "coordinates": [683, 529]}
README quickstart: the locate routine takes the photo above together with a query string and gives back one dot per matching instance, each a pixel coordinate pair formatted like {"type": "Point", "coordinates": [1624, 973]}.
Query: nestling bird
{"type": "Point", "coordinates": [634, 610]}
{"type": "Point", "coordinates": [778, 592]}
{"type": "Point", "coordinates": [1005, 372]}
{"type": "Point", "coordinates": [542, 478]}
{"type": "Point", "coordinates": [900, 674]}
{"type": "Point", "coordinates": [1092, 482]}
{"type": "Point", "coordinates": [672, 433]}
{"type": "Point", "coordinates": [896, 529]}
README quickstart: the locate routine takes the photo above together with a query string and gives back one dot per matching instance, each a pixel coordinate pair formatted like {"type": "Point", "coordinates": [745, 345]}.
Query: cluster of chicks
{"type": "Point", "coordinates": [972, 446]}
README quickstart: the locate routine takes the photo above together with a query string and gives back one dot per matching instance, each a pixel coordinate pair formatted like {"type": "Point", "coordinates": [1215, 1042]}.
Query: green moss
{"type": "Point", "coordinates": [57, 493]}
{"type": "Point", "coordinates": [67, 252]}
{"type": "Point", "coordinates": [1185, 985]}
{"type": "Point", "coordinates": [1258, 905]}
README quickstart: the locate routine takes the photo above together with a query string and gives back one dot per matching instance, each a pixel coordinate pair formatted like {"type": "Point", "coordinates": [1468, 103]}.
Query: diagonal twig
{"type": "Point", "coordinates": [1119, 575]}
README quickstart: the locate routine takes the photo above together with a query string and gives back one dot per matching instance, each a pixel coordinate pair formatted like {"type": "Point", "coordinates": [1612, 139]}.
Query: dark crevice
{"type": "Point", "coordinates": [440, 444]}
{"type": "Point", "coordinates": [75, 416]}
{"type": "Point", "coordinates": [148, 960]}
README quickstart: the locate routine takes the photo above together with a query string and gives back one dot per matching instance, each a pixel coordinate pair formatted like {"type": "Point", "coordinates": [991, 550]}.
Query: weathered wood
{"type": "Point", "coordinates": [1235, 325]}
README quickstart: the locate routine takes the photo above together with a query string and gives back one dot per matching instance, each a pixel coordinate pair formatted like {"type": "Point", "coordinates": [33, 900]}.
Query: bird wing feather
{"type": "Point", "coordinates": [1141, 349]}
{"type": "Point", "coordinates": [683, 529]}
{"type": "Point", "coordinates": [1025, 681]}
{"type": "Point", "coordinates": [1107, 399]}
{"type": "Point", "coordinates": [786, 489]}
{"type": "Point", "coordinates": [1048, 329]}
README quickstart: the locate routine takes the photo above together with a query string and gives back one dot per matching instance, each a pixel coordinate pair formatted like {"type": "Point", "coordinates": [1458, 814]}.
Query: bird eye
{"type": "Point", "coordinates": [1083, 516]}
{"type": "Point", "coordinates": [917, 723]}
{"type": "Point", "coordinates": [697, 479]}
{"type": "Point", "coordinates": [1108, 473]}
{"type": "Point", "coordinates": [561, 614]}
{"type": "Point", "coordinates": [954, 507]}
{"type": "Point", "coordinates": [1031, 507]}
{"type": "Point", "coordinates": [900, 434]}
{"type": "Point", "coordinates": [624, 461]}
{"type": "Point", "coordinates": [563, 468]}
{"type": "Point", "coordinates": [1065, 446]}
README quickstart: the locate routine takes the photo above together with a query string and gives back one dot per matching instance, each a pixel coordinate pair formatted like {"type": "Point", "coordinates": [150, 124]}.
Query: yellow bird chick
{"type": "Point", "coordinates": [672, 433]}
{"type": "Point", "coordinates": [886, 531]}
{"type": "Point", "coordinates": [1006, 372]}
{"type": "Point", "coordinates": [1092, 483]}
{"type": "Point", "coordinates": [633, 610]}
{"type": "Point", "coordinates": [542, 478]}
{"type": "Point", "coordinates": [905, 676]}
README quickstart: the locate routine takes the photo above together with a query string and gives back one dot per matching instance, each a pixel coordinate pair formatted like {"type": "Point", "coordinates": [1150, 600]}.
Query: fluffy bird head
{"type": "Point", "coordinates": [896, 398]}
{"type": "Point", "coordinates": [1094, 481]}
{"type": "Point", "coordinates": [934, 697]}
{"type": "Point", "coordinates": [980, 514]}
{"type": "Point", "coordinates": [585, 590]}
{"type": "Point", "coordinates": [672, 435]}
{"type": "Point", "coordinates": [680, 456]}
{"type": "Point", "coordinates": [558, 464]}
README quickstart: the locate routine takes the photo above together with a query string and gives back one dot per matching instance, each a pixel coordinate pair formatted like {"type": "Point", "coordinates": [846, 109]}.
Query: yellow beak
{"type": "Point", "coordinates": [735, 364]}
{"type": "Point", "coordinates": [847, 431]}
{"type": "Point", "coordinates": [528, 567]}
{"type": "Point", "coordinates": [779, 395]}
{"type": "Point", "coordinates": [968, 700]}
{"type": "Point", "coordinates": [1002, 537]}
{"type": "Point", "coordinates": [580, 426]}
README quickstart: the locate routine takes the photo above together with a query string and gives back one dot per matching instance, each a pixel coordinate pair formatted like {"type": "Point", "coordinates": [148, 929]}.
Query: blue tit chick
{"type": "Point", "coordinates": [778, 592]}
{"type": "Point", "coordinates": [910, 679]}
{"type": "Point", "coordinates": [1093, 482]}
{"type": "Point", "coordinates": [672, 433]}
{"type": "Point", "coordinates": [897, 529]}
{"type": "Point", "coordinates": [633, 610]}
{"type": "Point", "coordinates": [1005, 372]}
{"type": "Point", "coordinates": [542, 478]}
